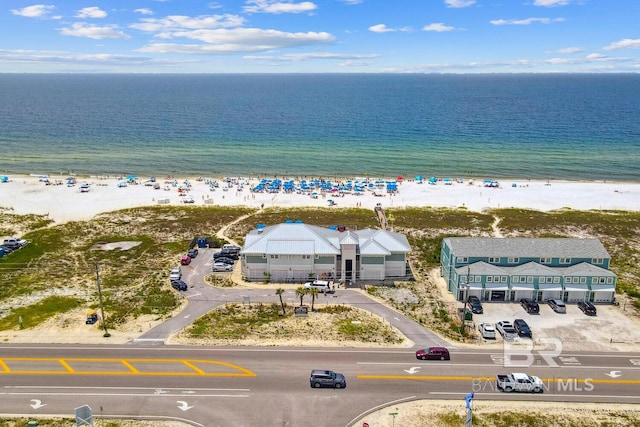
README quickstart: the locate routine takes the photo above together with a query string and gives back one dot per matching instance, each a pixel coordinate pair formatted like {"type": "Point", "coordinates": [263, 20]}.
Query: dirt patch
{"type": "Point", "coordinates": [110, 246]}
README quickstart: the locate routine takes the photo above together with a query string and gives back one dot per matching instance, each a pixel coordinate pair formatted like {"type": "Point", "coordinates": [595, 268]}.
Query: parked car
{"type": "Point", "coordinates": [476, 305]}
{"type": "Point", "coordinates": [176, 273]}
{"type": "Point", "coordinates": [506, 329]}
{"type": "Point", "coordinates": [226, 253]}
{"type": "Point", "coordinates": [232, 248]}
{"type": "Point", "coordinates": [6, 249]}
{"type": "Point", "coordinates": [179, 285]}
{"type": "Point", "coordinates": [487, 330]}
{"type": "Point", "coordinates": [587, 308]}
{"type": "Point", "coordinates": [433, 353]}
{"type": "Point", "coordinates": [14, 242]}
{"type": "Point", "coordinates": [522, 328]}
{"type": "Point", "coordinates": [224, 260]}
{"type": "Point", "coordinates": [193, 252]}
{"type": "Point", "coordinates": [320, 285]}
{"type": "Point", "coordinates": [221, 266]}
{"type": "Point", "coordinates": [530, 306]}
{"type": "Point", "coordinates": [185, 260]}
{"type": "Point", "coordinates": [321, 378]}
{"type": "Point", "coordinates": [557, 305]}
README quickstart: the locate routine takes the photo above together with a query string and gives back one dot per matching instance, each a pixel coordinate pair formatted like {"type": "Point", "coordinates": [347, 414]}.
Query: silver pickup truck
{"type": "Point", "coordinates": [519, 382]}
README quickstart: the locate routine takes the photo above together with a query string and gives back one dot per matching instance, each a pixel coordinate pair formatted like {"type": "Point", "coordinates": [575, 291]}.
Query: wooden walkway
{"type": "Point", "coordinates": [382, 218]}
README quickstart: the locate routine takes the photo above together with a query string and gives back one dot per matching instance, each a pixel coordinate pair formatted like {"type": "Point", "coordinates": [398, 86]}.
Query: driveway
{"type": "Point", "coordinates": [203, 298]}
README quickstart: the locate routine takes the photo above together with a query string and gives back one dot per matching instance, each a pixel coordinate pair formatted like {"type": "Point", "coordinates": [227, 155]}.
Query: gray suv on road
{"type": "Point", "coordinates": [321, 378]}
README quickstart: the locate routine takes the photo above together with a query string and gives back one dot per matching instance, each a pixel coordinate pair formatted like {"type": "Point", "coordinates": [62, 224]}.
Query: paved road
{"type": "Point", "coordinates": [227, 386]}
{"type": "Point", "coordinates": [203, 298]}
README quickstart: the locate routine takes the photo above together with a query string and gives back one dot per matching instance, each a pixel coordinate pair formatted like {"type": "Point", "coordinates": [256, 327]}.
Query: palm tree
{"type": "Point", "coordinates": [279, 292]}
{"type": "Point", "coordinates": [301, 292]}
{"type": "Point", "coordinates": [314, 293]}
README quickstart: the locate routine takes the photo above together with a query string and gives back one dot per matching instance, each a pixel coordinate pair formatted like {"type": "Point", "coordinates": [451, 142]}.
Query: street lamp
{"type": "Point", "coordinates": [104, 322]}
{"type": "Point", "coordinates": [464, 310]}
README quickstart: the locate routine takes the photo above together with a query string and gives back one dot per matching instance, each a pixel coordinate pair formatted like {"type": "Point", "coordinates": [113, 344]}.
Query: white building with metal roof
{"type": "Point", "coordinates": [296, 252]}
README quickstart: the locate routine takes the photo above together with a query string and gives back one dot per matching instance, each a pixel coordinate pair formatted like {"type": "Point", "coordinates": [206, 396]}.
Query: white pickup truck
{"type": "Point", "coordinates": [519, 382]}
{"type": "Point", "coordinates": [14, 242]}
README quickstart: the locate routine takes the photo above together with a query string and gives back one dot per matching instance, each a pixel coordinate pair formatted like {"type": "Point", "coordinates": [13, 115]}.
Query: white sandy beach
{"type": "Point", "coordinates": [25, 194]}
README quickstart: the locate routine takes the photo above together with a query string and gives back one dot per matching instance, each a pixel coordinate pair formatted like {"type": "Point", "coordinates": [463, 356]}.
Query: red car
{"type": "Point", "coordinates": [433, 353]}
{"type": "Point", "coordinates": [186, 260]}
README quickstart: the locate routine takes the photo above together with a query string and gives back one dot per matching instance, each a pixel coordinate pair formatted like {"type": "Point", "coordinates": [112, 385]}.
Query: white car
{"type": "Point", "coordinates": [487, 330]}
{"type": "Point", "coordinates": [221, 266]}
{"type": "Point", "coordinates": [176, 273]}
{"type": "Point", "coordinates": [507, 330]}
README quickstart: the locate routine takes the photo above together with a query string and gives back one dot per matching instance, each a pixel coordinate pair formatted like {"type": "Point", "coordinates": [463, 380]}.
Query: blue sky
{"type": "Point", "coordinates": [320, 36]}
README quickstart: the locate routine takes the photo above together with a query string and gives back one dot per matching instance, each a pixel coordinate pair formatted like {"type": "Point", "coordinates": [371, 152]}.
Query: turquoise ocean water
{"type": "Point", "coordinates": [566, 126]}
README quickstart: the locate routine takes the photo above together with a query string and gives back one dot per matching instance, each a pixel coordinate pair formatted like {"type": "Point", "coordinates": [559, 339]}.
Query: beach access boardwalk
{"type": "Point", "coordinates": [382, 218]}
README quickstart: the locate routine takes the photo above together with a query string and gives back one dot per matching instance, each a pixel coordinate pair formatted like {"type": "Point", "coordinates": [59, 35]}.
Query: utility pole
{"type": "Point", "coordinates": [104, 323]}
{"type": "Point", "coordinates": [466, 297]}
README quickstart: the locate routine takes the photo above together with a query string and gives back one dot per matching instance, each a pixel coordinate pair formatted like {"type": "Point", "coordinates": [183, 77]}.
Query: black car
{"type": "Point", "coordinates": [587, 308]}
{"type": "Point", "coordinates": [225, 260]}
{"type": "Point", "coordinates": [226, 254]}
{"type": "Point", "coordinates": [530, 306]}
{"type": "Point", "coordinates": [522, 328]}
{"type": "Point", "coordinates": [179, 285]}
{"type": "Point", "coordinates": [475, 304]}
{"type": "Point", "coordinates": [192, 253]}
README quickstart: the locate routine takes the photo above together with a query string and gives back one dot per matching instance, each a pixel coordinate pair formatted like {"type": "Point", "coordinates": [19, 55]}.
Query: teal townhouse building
{"type": "Point", "coordinates": [509, 269]}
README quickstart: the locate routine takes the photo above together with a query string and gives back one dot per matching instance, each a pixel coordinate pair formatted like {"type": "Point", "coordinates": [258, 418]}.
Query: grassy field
{"type": "Point", "coordinates": [62, 259]}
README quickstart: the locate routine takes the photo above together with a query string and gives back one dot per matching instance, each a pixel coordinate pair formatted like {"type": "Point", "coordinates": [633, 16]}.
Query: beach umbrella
{"type": "Point", "coordinates": [399, 179]}
{"type": "Point", "coordinates": [419, 178]}
{"type": "Point", "coordinates": [433, 180]}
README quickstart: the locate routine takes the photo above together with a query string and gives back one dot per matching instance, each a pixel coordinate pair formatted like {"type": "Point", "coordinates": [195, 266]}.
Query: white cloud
{"type": "Point", "coordinates": [225, 41]}
{"type": "Point", "coordinates": [35, 11]}
{"type": "Point", "coordinates": [82, 29]}
{"type": "Point", "coordinates": [624, 44]}
{"type": "Point", "coordinates": [551, 3]}
{"type": "Point", "coordinates": [569, 50]}
{"type": "Point", "coordinates": [274, 6]}
{"type": "Point", "coordinates": [382, 28]}
{"type": "Point", "coordinates": [173, 22]}
{"type": "Point", "coordinates": [350, 2]}
{"type": "Point", "coordinates": [144, 11]}
{"type": "Point", "coordinates": [527, 21]}
{"type": "Point", "coordinates": [438, 27]}
{"type": "Point", "coordinates": [459, 3]}
{"type": "Point", "coordinates": [91, 12]}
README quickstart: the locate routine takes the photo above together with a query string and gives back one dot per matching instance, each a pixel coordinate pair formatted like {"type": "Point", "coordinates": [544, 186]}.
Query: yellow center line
{"type": "Point", "coordinates": [194, 367]}
{"type": "Point", "coordinates": [129, 366]}
{"type": "Point", "coordinates": [66, 366]}
{"type": "Point", "coordinates": [197, 367]}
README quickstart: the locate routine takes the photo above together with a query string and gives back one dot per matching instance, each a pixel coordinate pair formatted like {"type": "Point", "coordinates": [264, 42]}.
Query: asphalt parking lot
{"type": "Point", "coordinates": [610, 330]}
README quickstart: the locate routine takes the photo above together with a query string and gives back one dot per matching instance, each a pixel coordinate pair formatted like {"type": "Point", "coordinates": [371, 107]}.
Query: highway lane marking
{"type": "Point", "coordinates": [438, 364]}
{"type": "Point", "coordinates": [130, 366]}
{"type": "Point", "coordinates": [542, 396]}
{"type": "Point", "coordinates": [125, 394]}
{"type": "Point", "coordinates": [492, 378]}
